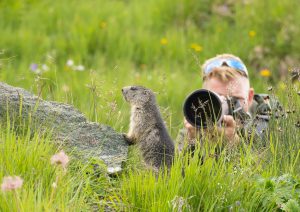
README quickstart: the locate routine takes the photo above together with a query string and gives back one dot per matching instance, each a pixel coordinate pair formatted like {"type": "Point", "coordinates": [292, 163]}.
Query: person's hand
{"type": "Point", "coordinates": [229, 127]}
{"type": "Point", "coordinates": [191, 130]}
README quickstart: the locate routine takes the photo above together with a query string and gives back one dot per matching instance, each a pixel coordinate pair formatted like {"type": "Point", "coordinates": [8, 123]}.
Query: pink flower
{"type": "Point", "coordinates": [60, 159]}
{"type": "Point", "coordinates": [11, 183]}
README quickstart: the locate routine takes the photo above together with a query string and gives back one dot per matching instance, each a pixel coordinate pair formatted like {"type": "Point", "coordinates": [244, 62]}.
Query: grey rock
{"type": "Point", "coordinates": [88, 140]}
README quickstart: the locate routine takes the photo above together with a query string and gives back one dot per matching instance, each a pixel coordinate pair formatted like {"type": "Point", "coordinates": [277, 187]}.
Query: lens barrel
{"type": "Point", "coordinates": [202, 108]}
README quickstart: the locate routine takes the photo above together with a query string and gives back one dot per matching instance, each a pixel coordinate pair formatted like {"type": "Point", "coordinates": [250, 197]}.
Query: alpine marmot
{"type": "Point", "coordinates": [147, 128]}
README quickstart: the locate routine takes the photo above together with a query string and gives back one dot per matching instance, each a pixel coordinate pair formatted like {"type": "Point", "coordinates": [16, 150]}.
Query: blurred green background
{"type": "Point", "coordinates": [84, 52]}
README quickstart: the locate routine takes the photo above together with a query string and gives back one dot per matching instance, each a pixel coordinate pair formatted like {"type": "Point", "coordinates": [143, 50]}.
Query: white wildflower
{"type": "Point", "coordinates": [45, 67]}
{"type": "Point", "coordinates": [70, 63]}
{"type": "Point", "coordinates": [79, 68]}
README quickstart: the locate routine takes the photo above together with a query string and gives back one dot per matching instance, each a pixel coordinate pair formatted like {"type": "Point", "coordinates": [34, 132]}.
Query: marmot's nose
{"type": "Point", "coordinates": [122, 90]}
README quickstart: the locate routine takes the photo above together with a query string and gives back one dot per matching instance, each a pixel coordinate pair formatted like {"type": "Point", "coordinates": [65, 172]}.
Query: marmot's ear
{"type": "Point", "coordinates": [147, 95]}
{"type": "Point", "coordinates": [149, 92]}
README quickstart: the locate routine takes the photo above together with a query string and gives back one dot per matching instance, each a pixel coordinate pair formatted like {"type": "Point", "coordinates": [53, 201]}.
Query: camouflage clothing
{"type": "Point", "coordinates": [262, 108]}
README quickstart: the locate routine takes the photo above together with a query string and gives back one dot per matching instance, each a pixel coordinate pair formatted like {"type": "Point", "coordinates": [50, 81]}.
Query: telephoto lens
{"type": "Point", "coordinates": [203, 108]}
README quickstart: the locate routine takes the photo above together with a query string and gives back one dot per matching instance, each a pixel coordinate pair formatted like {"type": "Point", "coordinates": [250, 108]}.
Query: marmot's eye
{"type": "Point", "coordinates": [133, 88]}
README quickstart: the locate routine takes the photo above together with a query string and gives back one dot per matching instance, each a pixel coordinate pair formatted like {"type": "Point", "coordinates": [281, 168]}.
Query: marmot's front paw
{"type": "Point", "coordinates": [128, 140]}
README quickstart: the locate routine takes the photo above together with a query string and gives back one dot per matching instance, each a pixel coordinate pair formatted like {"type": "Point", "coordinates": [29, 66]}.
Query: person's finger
{"type": "Point", "coordinates": [191, 130]}
{"type": "Point", "coordinates": [187, 125]}
{"type": "Point", "coordinates": [229, 121]}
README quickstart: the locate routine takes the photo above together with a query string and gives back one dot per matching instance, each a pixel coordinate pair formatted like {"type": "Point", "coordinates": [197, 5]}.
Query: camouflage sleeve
{"type": "Point", "coordinates": [261, 126]}
{"type": "Point", "coordinates": [263, 108]}
{"type": "Point", "coordinates": [256, 132]}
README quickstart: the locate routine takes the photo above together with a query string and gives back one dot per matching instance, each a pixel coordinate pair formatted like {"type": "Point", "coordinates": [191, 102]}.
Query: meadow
{"type": "Point", "coordinates": [83, 52]}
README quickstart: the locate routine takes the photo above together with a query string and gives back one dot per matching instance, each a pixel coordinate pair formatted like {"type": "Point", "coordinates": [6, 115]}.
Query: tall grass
{"type": "Point", "coordinates": [28, 156]}
{"type": "Point", "coordinates": [249, 177]}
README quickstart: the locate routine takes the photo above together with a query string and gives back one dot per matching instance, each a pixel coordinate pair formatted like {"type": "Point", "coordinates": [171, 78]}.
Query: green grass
{"type": "Point", "coordinates": [120, 43]}
{"type": "Point", "coordinates": [247, 178]}
{"type": "Point", "coordinates": [29, 157]}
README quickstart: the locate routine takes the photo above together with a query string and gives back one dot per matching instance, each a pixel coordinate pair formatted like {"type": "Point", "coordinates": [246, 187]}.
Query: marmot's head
{"type": "Point", "coordinates": [138, 95]}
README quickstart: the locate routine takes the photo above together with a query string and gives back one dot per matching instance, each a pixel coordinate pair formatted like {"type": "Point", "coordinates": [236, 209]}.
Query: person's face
{"type": "Point", "coordinates": [238, 88]}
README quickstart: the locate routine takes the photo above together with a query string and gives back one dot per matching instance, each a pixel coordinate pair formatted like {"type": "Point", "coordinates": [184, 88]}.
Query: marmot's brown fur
{"type": "Point", "coordinates": [147, 128]}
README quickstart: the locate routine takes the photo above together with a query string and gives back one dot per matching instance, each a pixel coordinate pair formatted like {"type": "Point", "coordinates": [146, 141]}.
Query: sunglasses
{"type": "Point", "coordinates": [230, 62]}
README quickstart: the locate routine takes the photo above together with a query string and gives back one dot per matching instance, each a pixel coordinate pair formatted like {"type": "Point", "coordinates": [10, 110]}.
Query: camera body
{"type": "Point", "coordinates": [204, 108]}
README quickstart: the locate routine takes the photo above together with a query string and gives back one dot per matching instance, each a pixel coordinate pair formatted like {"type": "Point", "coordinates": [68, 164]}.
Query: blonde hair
{"type": "Point", "coordinates": [223, 73]}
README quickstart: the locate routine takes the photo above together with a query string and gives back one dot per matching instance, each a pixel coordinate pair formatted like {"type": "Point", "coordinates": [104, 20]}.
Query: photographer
{"type": "Point", "coordinates": [227, 76]}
